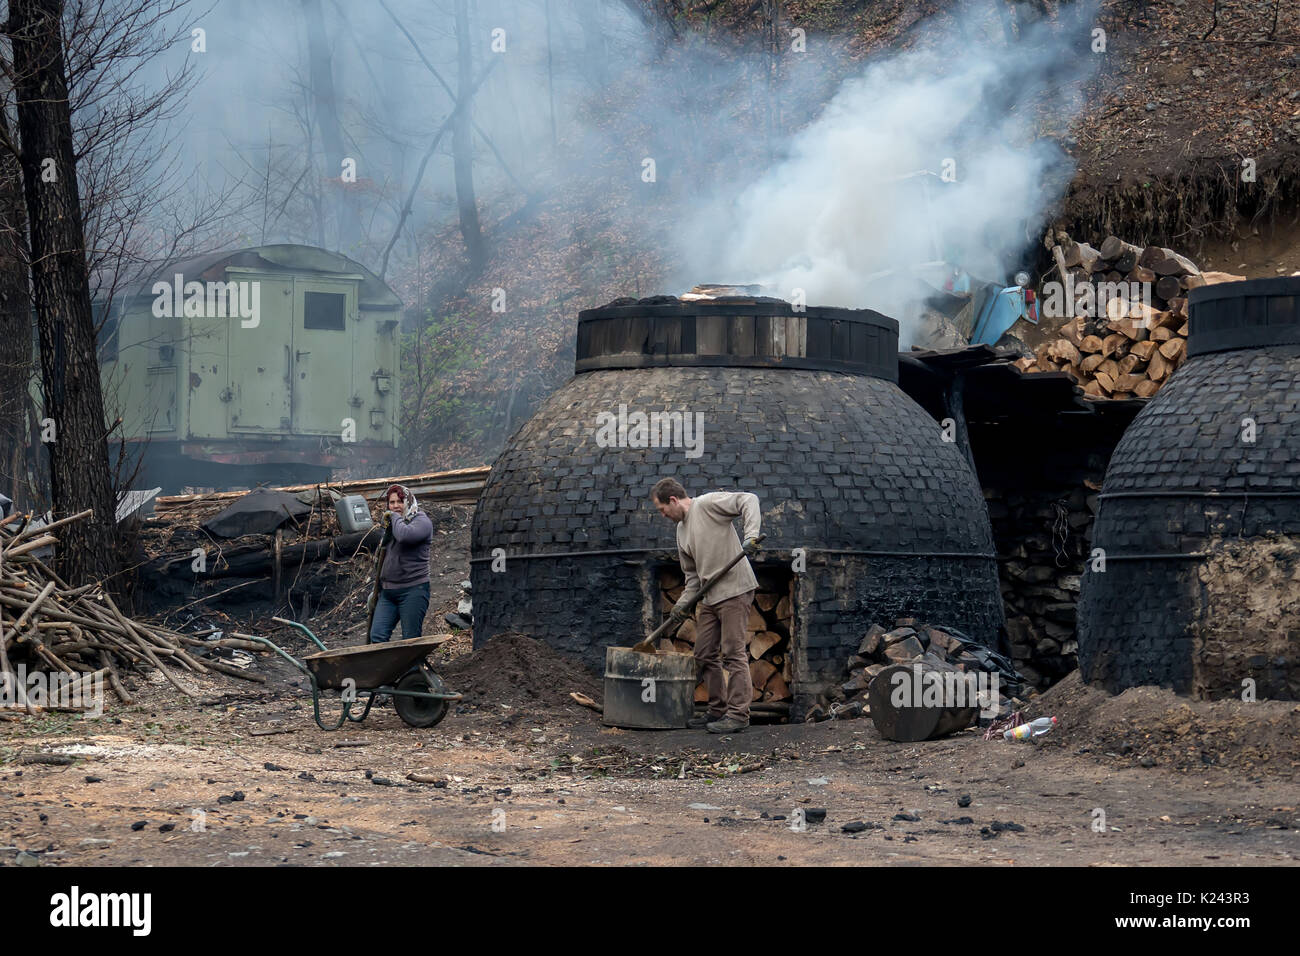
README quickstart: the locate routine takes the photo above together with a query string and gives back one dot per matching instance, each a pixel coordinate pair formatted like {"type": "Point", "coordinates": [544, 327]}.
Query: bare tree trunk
{"type": "Point", "coordinates": [772, 24]}
{"type": "Point", "coordinates": [79, 473]}
{"type": "Point", "coordinates": [325, 106]}
{"type": "Point", "coordinates": [550, 74]}
{"type": "Point", "coordinates": [462, 141]}
{"type": "Point", "coordinates": [15, 332]}
{"type": "Point", "coordinates": [595, 53]}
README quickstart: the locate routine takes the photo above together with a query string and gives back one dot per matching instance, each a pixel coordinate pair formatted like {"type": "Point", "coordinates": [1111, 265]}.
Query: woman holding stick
{"type": "Point", "coordinates": [404, 574]}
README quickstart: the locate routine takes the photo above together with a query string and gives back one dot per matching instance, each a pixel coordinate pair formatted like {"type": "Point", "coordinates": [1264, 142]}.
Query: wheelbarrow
{"type": "Point", "coordinates": [396, 668]}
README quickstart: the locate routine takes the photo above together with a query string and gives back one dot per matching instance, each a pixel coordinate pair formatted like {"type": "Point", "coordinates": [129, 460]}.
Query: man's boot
{"type": "Point", "coordinates": [727, 725]}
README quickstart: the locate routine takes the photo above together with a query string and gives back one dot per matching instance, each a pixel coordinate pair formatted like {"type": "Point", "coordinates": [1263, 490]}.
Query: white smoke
{"type": "Point", "coordinates": [928, 155]}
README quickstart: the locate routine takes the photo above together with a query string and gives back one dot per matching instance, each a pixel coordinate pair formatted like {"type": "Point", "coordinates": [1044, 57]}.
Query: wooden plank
{"type": "Point", "coordinates": [711, 334]}
{"type": "Point", "coordinates": [819, 338]}
{"type": "Point", "coordinates": [764, 336]}
{"type": "Point", "coordinates": [468, 479]}
{"type": "Point", "coordinates": [796, 335]}
{"type": "Point", "coordinates": [740, 335]}
{"type": "Point", "coordinates": [859, 343]}
{"type": "Point", "coordinates": [637, 334]}
{"type": "Point", "coordinates": [841, 342]}
{"type": "Point", "coordinates": [666, 335]}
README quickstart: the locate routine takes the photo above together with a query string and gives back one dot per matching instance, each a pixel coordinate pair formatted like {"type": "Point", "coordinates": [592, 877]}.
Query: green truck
{"type": "Point", "coordinates": [275, 363]}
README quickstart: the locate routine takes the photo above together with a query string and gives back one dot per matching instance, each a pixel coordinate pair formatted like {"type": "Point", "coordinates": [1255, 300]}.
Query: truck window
{"type": "Point", "coordinates": [324, 310]}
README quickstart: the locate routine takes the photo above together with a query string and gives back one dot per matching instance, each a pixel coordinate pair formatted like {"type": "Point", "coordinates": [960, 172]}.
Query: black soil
{"type": "Point", "coordinates": [518, 670]}
{"type": "Point", "coordinates": [1153, 726]}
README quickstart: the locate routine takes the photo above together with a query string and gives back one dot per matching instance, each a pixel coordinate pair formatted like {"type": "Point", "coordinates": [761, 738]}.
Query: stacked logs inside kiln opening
{"type": "Point", "coordinates": [771, 624]}
{"type": "Point", "coordinates": [1045, 536]}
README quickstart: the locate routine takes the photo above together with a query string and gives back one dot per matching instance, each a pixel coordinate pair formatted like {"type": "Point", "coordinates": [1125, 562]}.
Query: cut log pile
{"type": "Point", "coordinates": [770, 626]}
{"type": "Point", "coordinates": [1126, 327]}
{"type": "Point", "coordinates": [909, 642]}
{"type": "Point", "coordinates": [49, 627]}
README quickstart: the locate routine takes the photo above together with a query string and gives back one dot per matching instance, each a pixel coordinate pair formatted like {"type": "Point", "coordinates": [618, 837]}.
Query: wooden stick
{"type": "Point", "coordinates": [147, 650]}
{"type": "Point", "coordinates": [236, 672]}
{"type": "Point", "coordinates": [46, 528]}
{"type": "Point", "coordinates": [48, 572]}
{"type": "Point", "coordinates": [49, 655]}
{"type": "Point", "coordinates": [91, 675]}
{"type": "Point", "coordinates": [32, 545]}
{"type": "Point", "coordinates": [61, 615]}
{"type": "Point", "coordinates": [118, 689]}
{"type": "Point", "coordinates": [22, 622]}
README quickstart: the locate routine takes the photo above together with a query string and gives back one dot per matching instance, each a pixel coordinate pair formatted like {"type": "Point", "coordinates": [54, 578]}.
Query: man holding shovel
{"type": "Point", "coordinates": [707, 544]}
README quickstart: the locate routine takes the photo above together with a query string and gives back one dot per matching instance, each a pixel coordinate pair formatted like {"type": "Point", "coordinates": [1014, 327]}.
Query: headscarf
{"type": "Point", "coordinates": [411, 506]}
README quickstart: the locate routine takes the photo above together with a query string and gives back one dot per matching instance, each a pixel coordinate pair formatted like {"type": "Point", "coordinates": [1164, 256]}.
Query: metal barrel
{"type": "Point", "coordinates": [648, 691]}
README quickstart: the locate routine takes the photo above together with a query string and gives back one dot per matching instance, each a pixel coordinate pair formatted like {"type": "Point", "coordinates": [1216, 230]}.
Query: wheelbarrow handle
{"type": "Point", "coordinates": [314, 639]}
{"type": "Point", "coordinates": [279, 650]}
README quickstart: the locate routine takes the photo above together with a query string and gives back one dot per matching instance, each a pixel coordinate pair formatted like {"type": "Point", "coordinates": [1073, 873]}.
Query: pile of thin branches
{"type": "Point", "coordinates": [79, 634]}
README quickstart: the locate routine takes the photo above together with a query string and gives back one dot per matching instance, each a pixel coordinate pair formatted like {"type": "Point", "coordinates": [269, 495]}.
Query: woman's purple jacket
{"type": "Point", "coordinates": [407, 560]}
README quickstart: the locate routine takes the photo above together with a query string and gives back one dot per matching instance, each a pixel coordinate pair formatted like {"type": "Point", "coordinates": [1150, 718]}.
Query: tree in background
{"type": "Point", "coordinates": [19, 466]}
{"type": "Point", "coordinates": [326, 112]}
{"type": "Point", "coordinates": [73, 430]}
{"type": "Point", "coordinates": [462, 141]}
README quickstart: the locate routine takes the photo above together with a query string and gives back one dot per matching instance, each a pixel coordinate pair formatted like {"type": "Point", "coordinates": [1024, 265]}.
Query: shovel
{"type": "Point", "coordinates": [668, 628]}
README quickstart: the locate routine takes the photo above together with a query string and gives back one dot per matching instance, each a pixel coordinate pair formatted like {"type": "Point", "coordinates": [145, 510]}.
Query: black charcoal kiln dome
{"type": "Point", "coordinates": [1198, 524]}
{"type": "Point", "coordinates": [801, 408]}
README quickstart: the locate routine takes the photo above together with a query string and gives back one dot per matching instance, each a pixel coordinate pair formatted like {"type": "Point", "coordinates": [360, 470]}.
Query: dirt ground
{"type": "Point", "coordinates": [519, 774]}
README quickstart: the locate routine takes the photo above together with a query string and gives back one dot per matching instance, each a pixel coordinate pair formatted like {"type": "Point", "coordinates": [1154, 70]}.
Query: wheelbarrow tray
{"type": "Point", "coordinates": [369, 665]}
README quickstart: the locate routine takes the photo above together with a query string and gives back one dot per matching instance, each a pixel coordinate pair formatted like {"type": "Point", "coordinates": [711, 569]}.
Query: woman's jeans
{"type": "Point", "coordinates": [408, 605]}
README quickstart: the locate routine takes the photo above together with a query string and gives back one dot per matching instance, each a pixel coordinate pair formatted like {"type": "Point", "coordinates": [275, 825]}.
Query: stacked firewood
{"type": "Point", "coordinates": [1045, 536]}
{"type": "Point", "coordinates": [768, 637]}
{"type": "Point", "coordinates": [910, 642]}
{"type": "Point", "coordinates": [1136, 336]}
{"type": "Point", "coordinates": [48, 626]}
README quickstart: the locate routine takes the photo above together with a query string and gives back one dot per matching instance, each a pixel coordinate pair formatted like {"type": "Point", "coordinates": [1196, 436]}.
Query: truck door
{"type": "Point", "coordinates": [259, 360]}
{"type": "Point", "coordinates": [324, 333]}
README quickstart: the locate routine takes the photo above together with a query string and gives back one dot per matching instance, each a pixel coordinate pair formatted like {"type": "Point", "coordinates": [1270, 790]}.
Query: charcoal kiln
{"type": "Point", "coordinates": [870, 513]}
{"type": "Point", "coordinates": [1196, 585]}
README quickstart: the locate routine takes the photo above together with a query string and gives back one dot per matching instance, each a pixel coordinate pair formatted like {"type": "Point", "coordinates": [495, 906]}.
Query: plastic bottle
{"type": "Point", "coordinates": [1035, 728]}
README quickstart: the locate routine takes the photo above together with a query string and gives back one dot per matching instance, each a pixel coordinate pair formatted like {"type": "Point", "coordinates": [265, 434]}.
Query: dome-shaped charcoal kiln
{"type": "Point", "coordinates": [869, 514]}
{"type": "Point", "coordinates": [1199, 518]}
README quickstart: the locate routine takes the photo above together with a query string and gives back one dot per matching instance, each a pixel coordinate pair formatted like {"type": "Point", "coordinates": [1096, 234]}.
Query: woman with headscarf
{"type": "Point", "coordinates": [404, 576]}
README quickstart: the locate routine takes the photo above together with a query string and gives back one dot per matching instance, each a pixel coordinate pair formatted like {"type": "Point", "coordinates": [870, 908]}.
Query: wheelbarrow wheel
{"type": "Point", "coordinates": [420, 711]}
